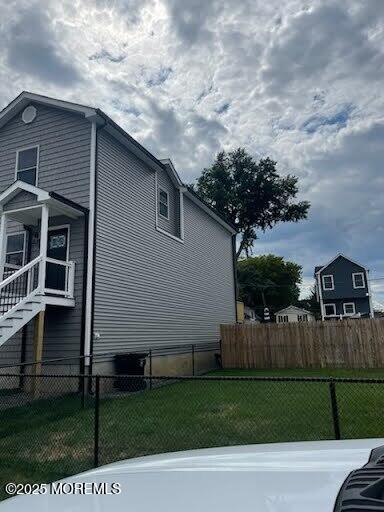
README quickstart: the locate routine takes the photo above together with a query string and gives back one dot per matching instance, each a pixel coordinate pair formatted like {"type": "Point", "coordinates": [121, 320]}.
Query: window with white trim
{"type": "Point", "coordinates": [15, 253]}
{"type": "Point", "coordinates": [358, 280]}
{"type": "Point", "coordinates": [330, 309]}
{"type": "Point", "coordinates": [302, 318]}
{"type": "Point", "coordinates": [26, 165]}
{"type": "Point", "coordinates": [328, 282]}
{"type": "Point", "coordinates": [282, 319]}
{"type": "Point", "coordinates": [349, 308]}
{"type": "Point", "coordinates": [163, 203]}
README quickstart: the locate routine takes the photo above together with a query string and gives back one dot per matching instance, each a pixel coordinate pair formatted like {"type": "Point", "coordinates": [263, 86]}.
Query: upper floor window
{"type": "Point", "coordinates": [328, 283]}
{"type": "Point", "coordinates": [358, 280]}
{"type": "Point", "coordinates": [15, 253]}
{"type": "Point", "coordinates": [26, 165]}
{"type": "Point", "coordinates": [163, 203]}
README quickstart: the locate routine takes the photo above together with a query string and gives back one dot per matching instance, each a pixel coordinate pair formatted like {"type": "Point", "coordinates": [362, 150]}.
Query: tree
{"type": "Point", "coordinates": [311, 303]}
{"type": "Point", "coordinates": [269, 281]}
{"type": "Point", "coordinates": [251, 195]}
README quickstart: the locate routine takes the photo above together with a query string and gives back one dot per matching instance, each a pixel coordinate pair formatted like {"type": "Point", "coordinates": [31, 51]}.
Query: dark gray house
{"type": "Point", "coordinates": [342, 288]}
{"type": "Point", "coordinates": [101, 244]}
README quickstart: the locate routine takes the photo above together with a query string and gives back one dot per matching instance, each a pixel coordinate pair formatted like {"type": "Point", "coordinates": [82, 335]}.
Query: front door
{"type": "Point", "coordinates": [58, 250]}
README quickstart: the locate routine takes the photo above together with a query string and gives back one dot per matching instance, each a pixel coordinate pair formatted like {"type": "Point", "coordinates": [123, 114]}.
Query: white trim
{"type": "Point", "coordinates": [63, 226]}
{"type": "Point", "coordinates": [16, 252]}
{"type": "Point", "coordinates": [323, 282]}
{"type": "Point", "coordinates": [168, 164]}
{"type": "Point", "coordinates": [91, 237]}
{"type": "Point", "coordinates": [17, 186]}
{"type": "Point", "coordinates": [334, 309]}
{"type": "Point", "coordinates": [371, 312]}
{"type": "Point", "coordinates": [349, 304]}
{"type": "Point", "coordinates": [3, 238]}
{"type": "Point", "coordinates": [353, 280]}
{"type": "Point", "coordinates": [28, 168]}
{"type": "Point", "coordinates": [181, 208]}
{"type": "Point", "coordinates": [162, 189]}
{"type": "Point", "coordinates": [180, 240]}
{"type": "Point", "coordinates": [320, 292]}
{"type": "Point", "coordinates": [301, 310]}
{"type": "Point", "coordinates": [43, 244]}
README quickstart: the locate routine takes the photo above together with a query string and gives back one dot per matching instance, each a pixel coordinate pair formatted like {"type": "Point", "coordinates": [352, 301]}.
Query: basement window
{"type": "Point", "coordinates": [26, 165]}
{"type": "Point", "coordinates": [330, 309]}
{"type": "Point", "coordinates": [349, 308]}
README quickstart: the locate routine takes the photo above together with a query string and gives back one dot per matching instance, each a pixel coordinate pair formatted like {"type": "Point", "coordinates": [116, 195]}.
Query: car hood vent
{"type": "Point", "coordinates": [363, 490]}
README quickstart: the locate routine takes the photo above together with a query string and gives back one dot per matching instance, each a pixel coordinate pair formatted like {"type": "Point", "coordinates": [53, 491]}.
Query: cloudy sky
{"type": "Point", "coordinates": [300, 81]}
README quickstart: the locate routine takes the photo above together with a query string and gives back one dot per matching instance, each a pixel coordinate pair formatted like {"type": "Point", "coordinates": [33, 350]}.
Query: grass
{"type": "Point", "coordinates": [50, 439]}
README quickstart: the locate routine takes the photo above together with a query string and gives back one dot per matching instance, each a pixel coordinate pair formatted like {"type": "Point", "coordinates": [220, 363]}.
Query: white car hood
{"type": "Point", "coordinates": [289, 477]}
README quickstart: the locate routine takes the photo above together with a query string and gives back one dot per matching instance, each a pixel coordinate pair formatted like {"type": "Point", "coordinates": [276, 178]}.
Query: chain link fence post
{"type": "Point", "coordinates": [97, 422]}
{"type": "Point", "coordinates": [335, 410]}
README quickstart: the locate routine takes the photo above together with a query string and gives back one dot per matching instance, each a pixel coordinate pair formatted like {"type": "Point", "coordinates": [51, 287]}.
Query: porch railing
{"type": "Point", "coordinates": [19, 286]}
{"type": "Point", "coordinates": [23, 282]}
{"type": "Point", "coordinates": [69, 280]}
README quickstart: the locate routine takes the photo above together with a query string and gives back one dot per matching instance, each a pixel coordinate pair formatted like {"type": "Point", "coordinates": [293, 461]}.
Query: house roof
{"type": "Point", "coordinates": [318, 269]}
{"type": "Point", "coordinates": [301, 310]}
{"type": "Point", "coordinates": [103, 120]}
{"type": "Point", "coordinates": [59, 204]}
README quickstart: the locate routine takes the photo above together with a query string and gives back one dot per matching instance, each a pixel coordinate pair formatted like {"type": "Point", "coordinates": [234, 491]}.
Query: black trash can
{"type": "Point", "coordinates": [130, 364]}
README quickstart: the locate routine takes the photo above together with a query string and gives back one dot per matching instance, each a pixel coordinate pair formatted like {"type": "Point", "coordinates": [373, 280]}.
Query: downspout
{"type": "Point", "coordinates": [235, 283]}
{"type": "Point", "coordinates": [320, 296]}
{"type": "Point", "coordinates": [371, 312]}
{"type": "Point", "coordinates": [90, 255]}
{"type": "Point", "coordinates": [83, 295]}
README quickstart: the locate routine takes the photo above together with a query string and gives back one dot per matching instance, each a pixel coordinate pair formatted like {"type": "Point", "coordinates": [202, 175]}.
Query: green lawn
{"type": "Point", "coordinates": [51, 439]}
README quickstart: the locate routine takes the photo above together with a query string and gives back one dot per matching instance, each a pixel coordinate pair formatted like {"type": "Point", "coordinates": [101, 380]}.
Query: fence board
{"type": "Point", "coordinates": [341, 344]}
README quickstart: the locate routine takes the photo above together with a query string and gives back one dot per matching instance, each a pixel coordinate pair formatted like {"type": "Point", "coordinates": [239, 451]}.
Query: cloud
{"type": "Point", "coordinates": [33, 49]}
{"type": "Point", "coordinates": [295, 80]}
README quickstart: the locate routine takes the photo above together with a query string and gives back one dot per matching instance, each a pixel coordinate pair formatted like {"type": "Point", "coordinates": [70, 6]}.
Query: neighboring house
{"type": "Point", "coordinates": [293, 314]}
{"type": "Point", "coordinates": [101, 242]}
{"type": "Point", "coordinates": [250, 315]}
{"type": "Point", "coordinates": [342, 288]}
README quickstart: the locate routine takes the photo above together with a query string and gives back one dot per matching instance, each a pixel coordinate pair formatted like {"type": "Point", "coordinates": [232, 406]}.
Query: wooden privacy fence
{"type": "Point", "coordinates": [342, 344]}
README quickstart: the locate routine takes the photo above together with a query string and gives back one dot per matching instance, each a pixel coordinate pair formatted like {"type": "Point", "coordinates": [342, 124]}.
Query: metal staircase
{"type": "Point", "coordinates": [21, 298]}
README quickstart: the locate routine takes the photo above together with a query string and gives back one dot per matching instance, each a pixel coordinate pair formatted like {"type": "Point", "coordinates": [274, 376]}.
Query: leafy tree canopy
{"type": "Point", "coordinates": [311, 303]}
{"type": "Point", "coordinates": [268, 280]}
{"type": "Point", "coordinates": [249, 194]}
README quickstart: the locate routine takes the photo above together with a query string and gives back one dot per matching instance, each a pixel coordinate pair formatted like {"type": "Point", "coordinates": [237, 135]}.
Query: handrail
{"type": "Point", "coordinates": [58, 262]}
{"type": "Point", "coordinates": [20, 272]}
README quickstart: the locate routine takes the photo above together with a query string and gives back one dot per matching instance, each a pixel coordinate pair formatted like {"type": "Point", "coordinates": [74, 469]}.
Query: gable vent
{"type": "Point", "coordinates": [29, 114]}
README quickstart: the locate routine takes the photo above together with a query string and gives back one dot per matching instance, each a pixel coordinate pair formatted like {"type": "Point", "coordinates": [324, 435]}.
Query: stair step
{"type": "Point", "coordinates": [25, 309]}
{"type": "Point", "coordinates": [6, 326]}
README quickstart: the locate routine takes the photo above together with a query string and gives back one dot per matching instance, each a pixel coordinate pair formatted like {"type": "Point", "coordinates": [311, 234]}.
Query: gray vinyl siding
{"type": "Point", "coordinates": [21, 200]}
{"type": "Point", "coordinates": [361, 305]}
{"type": "Point", "coordinates": [152, 290]}
{"type": "Point", "coordinates": [64, 154]}
{"type": "Point", "coordinates": [64, 167]}
{"type": "Point", "coordinates": [172, 225]}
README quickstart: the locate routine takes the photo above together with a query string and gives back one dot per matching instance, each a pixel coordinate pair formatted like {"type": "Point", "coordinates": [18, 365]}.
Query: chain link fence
{"type": "Point", "coordinates": [51, 428]}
